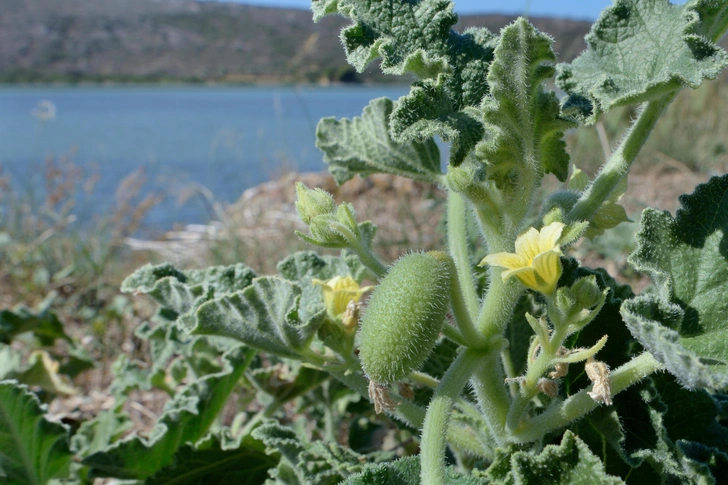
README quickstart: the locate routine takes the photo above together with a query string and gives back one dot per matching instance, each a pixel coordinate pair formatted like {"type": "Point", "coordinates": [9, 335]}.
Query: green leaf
{"type": "Point", "coordinates": [316, 462]}
{"type": "Point", "coordinates": [684, 323]}
{"type": "Point", "coordinates": [409, 36]}
{"type": "Point", "coordinates": [570, 463]}
{"type": "Point", "coordinates": [44, 325]}
{"type": "Point", "coordinates": [417, 37]}
{"type": "Point", "coordinates": [266, 315]}
{"type": "Point", "coordinates": [303, 267]}
{"type": "Point", "coordinates": [98, 433]}
{"type": "Point", "coordinates": [406, 471]}
{"type": "Point", "coordinates": [523, 121]}
{"type": "Point", "coordinates": [33, 450]}
{"type": "Point", "coordinates": [10, 361]}
{"type": "Point", "coordinates": [297, 381]}
{"type": "Point", "coordinates": [186, 419]}
{"type": "Point", "coordinates": [429, 110]}
{"type": "Point", "coordinates": [646, 437]}
{"type": "Point", "coordinates": [363, 146]}
{"type": "Point", "coordinates": [713, 16]}
{"type": "Point", "coordinates": [183, 291]}
{"type": "Point", "coordinates": [641, 49]}
{"type": "Point", "coordinates": [42, 372]}
{"type": "Point", "coordinates": [217, 459]}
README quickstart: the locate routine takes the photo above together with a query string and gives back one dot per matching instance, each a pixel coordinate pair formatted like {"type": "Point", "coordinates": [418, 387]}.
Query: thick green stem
{"type": "Point", "coordinates": [581, 403]}
{"type": "Point", "coordinates": [498, 304]}
{"type": "Point", "coordinates": [620, 161]}
{"type": "Point", "coordinates": [437, 419]}
{"type": "Point", "coordinates": [367, 258]}
{"type": "Point", "coordinates": [493, 396]}
{"type": "Point", "coordinates": [452, 333]}
{"type": "Point", "coordinates": [472, 337]}
{"type": "Point", "coordinates": [457, 241]}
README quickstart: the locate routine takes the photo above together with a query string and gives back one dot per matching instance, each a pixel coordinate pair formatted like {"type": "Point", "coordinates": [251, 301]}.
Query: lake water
{"type": "Point", "coordinates": [225, 138]}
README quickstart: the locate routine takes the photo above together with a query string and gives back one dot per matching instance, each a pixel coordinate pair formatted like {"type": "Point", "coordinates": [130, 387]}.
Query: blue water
{"type": "Point", "coordinates": [225, 138]}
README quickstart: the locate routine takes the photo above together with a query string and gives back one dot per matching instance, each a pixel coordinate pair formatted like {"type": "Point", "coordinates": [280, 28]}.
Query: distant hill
{"type": "Point", "coordinates": [180, 40]}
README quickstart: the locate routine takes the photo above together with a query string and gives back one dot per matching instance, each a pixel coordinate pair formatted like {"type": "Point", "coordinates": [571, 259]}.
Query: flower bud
{"type": "Point", "coordinates": [586, 291]}
{"type": "Point", "coordinates": [312, 202]}
{"type": "Point", "coordinates": [346, 217]}
{"type": "Point", "coordinates": [324, 235]}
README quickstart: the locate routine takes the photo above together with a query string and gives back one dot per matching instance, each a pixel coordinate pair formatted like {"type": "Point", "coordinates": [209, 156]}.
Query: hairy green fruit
{"type": "Point", "coordinates": [404, 316]}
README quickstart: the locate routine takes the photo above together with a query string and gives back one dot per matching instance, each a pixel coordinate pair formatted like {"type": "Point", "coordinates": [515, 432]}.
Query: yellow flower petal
{"type": "Point", "coordinates": [549, 236]}
{"type": "Point", "coordinates": [339, 291]}
{"type": "Point", "coordinates": [527, 244]}
{"type": "Point", "coordinates": [536, 261]}
{"type": "Point", "coordinates": [548, 267]}
{"type": "Point", "coordinates": [505, 260]}
{"type": "Point", "coordinates": [526, 275]}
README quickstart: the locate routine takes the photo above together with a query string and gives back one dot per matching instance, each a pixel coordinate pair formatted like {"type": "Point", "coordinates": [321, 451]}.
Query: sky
{"type": "Point", "coordinates": [577, 9]}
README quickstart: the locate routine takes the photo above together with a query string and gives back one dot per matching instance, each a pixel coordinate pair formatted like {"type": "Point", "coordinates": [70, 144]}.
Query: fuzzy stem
{"type": "Point", "coordinates": [453, 334]}
{"type": "Point", "coordinates": [437, 419]}
{"type": "Point", "coordinates": [581, 403]}
{"type": "Point", "coordinates": [457, 241]}
{"type": "Point", "coordinates": [493, 397]}
{"type": "Point", "coordinates": [407, 412]}
{"type": "Point", "coordinates": [367, 258]}
{"type": "Point", "coordinates": [621, 160]}
{"type": "Point", "coordinates": [472, 337]}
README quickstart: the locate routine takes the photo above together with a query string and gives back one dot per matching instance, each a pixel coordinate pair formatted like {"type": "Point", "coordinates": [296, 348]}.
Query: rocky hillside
{"type": "Point", "coordinates": [180, 40]}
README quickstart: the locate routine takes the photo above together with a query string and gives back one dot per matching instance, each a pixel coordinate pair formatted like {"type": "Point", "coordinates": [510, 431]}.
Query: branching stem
{"type": "Point", "coordinates": [367, 258]}
{"type": "Point", "coordinates": [457, 241]}
{"type": "Point", "coordinates": [437, 419]}
{"type": "Point", "coordinates": [621, 160]}
{"type": "Point", "coordinates": [562, 413]}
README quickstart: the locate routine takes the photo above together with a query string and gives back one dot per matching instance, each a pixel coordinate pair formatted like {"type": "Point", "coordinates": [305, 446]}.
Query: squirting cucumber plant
{"type": "Point", "coordinates": [520, 367]}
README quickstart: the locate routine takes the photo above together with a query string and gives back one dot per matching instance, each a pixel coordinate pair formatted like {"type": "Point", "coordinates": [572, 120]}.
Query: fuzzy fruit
{"type": "Point", "coordinates": [404, 316]}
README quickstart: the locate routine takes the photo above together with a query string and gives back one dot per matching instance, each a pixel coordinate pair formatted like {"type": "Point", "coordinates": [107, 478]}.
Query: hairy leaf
{"type": "Point", "coordinates": [570, 463]}
{"type": "Point", "coordinates": [186, 419]}
{"type": "Point", "coordinates": [10, 361]}
{"type": "Point", "coordinates": [44, 325]}
{"type": "Point", "coordinates": [406, 471]}
{"type": "Point", "coordinates": [217, 459]}
{"type": "Point", "coordinates": [303, 267]}
{"type": "Point", "coordinates": [646, 437]}
{"type": "Point", "coordinates": [363, 146]}
{"type": "Point", "coordinates": [296, 381]}
{"type": "Point", "coordinates": [640, 49]}
{"type": "Point", "coordinates": [416, 36]}
{"type": "Point", "coordinates": [33, 450]}
{"type": "Point", "coordinates": [713, 16]}
{"type": "Point", "coordinates": [525, 127]}
{"type": "Point", "coordinates": [313, 462]}
{"type": "Point", "coordinates": [684, 324]}
{"type": "Point", "coordinates": [266, 316]}
{"type": "Point", "coordinates": [42, 371]}
{"type": "Point", "coordinates": [98, 433]}
{"type": "Point", "coordinates": [183, 291]}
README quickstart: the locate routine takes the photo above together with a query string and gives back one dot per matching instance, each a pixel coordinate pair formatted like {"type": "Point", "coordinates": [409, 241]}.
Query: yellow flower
{"type": "Point", "coordinates": [536, 260]}
{"type": "Point", "coordinates": [339, 291]}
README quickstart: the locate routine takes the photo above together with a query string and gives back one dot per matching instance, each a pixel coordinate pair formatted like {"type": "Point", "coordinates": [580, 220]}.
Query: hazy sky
{"type": "Point", "coordinates": [580, 9]}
